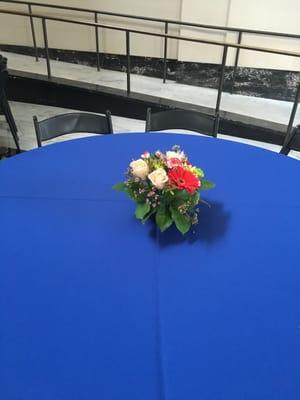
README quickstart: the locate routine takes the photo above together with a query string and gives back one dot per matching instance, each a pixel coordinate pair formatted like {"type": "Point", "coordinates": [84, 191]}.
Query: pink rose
{"type": "Point", "coordinates": [174, 162]}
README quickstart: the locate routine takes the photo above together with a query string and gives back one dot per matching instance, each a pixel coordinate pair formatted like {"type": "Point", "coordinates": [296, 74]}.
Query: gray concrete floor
{"type": "Point", "coordinates": [23, 113]}
{"type": "Point", "coordinates": [265, 109]}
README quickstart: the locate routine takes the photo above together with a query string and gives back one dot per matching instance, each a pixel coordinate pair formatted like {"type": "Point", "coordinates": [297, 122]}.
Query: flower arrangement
{"type": "Point", "coordinates": [166, 186]}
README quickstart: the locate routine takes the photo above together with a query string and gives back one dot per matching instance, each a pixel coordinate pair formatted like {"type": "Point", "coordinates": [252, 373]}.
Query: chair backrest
{"type": "Point", "coordinates": [3, 76]}
{"type": "Point", "coordinates": [180, 119]}
{"type": "Point", "coordinates": [72, 123]}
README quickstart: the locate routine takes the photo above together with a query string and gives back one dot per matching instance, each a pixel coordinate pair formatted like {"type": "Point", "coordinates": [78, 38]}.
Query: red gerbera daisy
{"type": "Point", "coordinates": [183, 179]}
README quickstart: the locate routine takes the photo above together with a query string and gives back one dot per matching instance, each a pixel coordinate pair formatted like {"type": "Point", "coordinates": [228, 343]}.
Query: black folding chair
{"type": "Point", "coordinates": [181, 119]}
{"type": "Point", "coordinates": [288, 142]}
{"type": "Point", "coordinates": [4, 105]}
{"type": "Point", "coordinates": [65, 124]}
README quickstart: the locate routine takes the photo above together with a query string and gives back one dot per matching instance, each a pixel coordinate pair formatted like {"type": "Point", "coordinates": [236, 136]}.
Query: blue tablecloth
{"type": "Point", "coordinates": [94, 305]}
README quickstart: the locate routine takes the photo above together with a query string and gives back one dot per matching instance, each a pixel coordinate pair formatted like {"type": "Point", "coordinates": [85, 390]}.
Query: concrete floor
{"type": "Point", "coordinates": [265, 109]}
{"type": "Point", "coordinates": [23, 113]}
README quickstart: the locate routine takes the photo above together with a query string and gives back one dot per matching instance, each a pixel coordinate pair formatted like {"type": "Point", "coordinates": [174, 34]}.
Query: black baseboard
{"type": "Point", "coordinates": [35, 88]}
{"type": "Point", "coordinates": [258, 82]}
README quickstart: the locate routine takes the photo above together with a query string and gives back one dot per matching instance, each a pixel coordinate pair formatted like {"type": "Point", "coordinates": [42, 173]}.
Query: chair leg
{"type": "Point", "coordinates": [11, 123]}
{"type": "Point", "coordinates": [148, 120]}
{"type": "Point", "coordinates": [216, 125]}
{"type": "Point", "coordinates": [11, 117]}
{"type": "Point", "coordinates": [288, 141]}
{"type": "Point", "coordinates": [285, 150]}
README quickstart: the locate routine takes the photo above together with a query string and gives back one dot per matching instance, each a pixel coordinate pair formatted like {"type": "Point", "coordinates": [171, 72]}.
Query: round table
{"type": "Point", "coordinates": [95, 305]}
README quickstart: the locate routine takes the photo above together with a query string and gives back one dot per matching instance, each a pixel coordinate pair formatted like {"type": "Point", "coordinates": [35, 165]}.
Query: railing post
{"type": "Point", "coordinates": [220, 89]}
{"type": "Point", "coordinates": [165, 52]}
{"type": "Point", "coordinates": [97, 42]}
{"type": "Point", "coordinates": [33, 33]}
{"type": "Point", "coordinates": [289, 133]}
{"type": "Point", "coordinates": [236, 62]}
{"type": "Point", "coordinates": [128, 60]}
{"type": "Point", "coordinates": [46, 47]}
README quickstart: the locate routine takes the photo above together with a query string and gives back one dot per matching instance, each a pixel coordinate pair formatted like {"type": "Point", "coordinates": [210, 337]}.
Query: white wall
{"type": "Point", "coordinates": [276, 15]}
{"type": "Point", "coordinates": [269, 15]}
{"type": "Point", "coordinates": [213, 12]}
{"type": "Point", "coordinates": [16, 30]}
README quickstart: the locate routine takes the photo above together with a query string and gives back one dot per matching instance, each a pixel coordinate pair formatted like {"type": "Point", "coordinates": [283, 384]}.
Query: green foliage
{"type": "Point", "coordinates": [196, 171]}
{"type": "Point", "coordinates": [137, 190]}
{"type": "Point", "coordinates": [131, 193]}
{"type": "Point", "coordinates": [194, 199]}
{"type": "Point", "coordinates": [205, 185]}
{"type": "Point", "coordinates": [120, 187]}
{"type": "Point", "coordinates": [182, 221]}
{"type": "Point", "coordinates": [184, 199]}
{"type": "Point", "coordinates": [148, 215]}
{"type": "Point", "coordinates": [154, 163]}
{"type": "Point", "coordinates": [141, 210]}
{"type": "Point", "coordinates": [178, 208]}
{"type": "Point", "coordinates": [163, 218]}
{"type": "Point", "coordinates": [181, 195]}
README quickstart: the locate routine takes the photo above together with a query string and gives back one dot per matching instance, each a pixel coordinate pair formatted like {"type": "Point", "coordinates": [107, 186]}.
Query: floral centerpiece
{"type": "Point", "coordinates": [165, 186]}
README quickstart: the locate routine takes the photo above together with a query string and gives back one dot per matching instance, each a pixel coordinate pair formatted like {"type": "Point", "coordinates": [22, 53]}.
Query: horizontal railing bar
{"type": "Point", "coordinates": [153, 19]}
{"type": "Point", "coordinates": [184, 38]}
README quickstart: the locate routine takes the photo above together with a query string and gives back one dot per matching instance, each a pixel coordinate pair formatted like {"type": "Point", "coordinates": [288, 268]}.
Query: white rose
{"type": "Point", "coordinates": [158, 178]}
{"type": "Point", "coordinates": [139, 168]}
{"type": "Point", "coordinates": [174, 154]}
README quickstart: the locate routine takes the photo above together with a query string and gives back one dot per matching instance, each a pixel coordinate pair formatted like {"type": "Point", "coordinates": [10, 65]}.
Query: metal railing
{"type": "Point", "coordinates": [165, 22]}
{"type": "Point", "coordinates": [165, 36]}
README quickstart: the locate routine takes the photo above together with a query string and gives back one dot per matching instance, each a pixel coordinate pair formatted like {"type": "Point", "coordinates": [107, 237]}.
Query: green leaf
{"type": "Point", "coordinates": [197, 171]}
{"type": "Point", "coordinates": [163, 218]}
{"type": "Point", "coordinates": [182, 195]}
{"type": "Point", "coordinates": [182, 222]}
{"type": "Point", "coordinates": [120, 187]}
{"type": "Point", "coordinates": [131, 193]}
{"type": "Point", "coordinates": [148, 215]}
{"type": "Point", "coordinates": [205, 185]}
{"type": "Point", "coordinates": [195, 199]}
{"type": "Point", "coordinates": [179, 197]}
{"type": "Point", "coordinates": [141, 210]}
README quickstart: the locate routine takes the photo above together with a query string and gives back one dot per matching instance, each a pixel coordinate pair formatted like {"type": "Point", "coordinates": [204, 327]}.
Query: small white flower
{"type": "Point", "coordinates": [174, 154]}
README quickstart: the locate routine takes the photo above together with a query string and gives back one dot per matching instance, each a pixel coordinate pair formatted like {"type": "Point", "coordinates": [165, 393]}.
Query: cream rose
{"type": "Point", "coordinates": [159, 178]}
{"type": "Point", "coordinates": [174, 154]}
{"type": "Point", "coordinates": [139, 168]}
